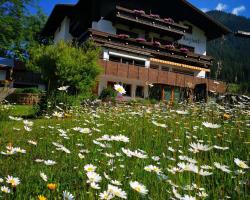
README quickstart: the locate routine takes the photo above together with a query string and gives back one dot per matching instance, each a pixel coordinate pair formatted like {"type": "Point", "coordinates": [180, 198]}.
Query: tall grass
{"type": "Point", "coordinates": [135, 122]}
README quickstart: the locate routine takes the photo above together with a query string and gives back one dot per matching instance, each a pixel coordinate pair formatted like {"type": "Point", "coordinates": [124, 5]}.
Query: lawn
{"type": "Point", "coordinates": [127, 152]}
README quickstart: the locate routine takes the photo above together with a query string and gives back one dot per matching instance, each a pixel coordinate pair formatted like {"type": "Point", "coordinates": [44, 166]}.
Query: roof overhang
{"type": "Point", "coordinates": [59, 12]}
{"type": "Point", "coordinates": [5, 62]}
{"type": "Point", "coordinates": [211, 27]}
{"type": "Point", "coordinates": [178, 9]}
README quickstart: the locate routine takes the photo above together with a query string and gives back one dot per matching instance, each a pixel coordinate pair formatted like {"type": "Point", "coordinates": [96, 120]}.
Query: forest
{"type": "Point", "coordinates": [231, 54]}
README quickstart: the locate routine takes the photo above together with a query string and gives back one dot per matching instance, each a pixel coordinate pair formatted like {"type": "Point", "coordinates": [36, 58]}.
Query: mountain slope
{"type": "Point", "coordinates": [232, 54]}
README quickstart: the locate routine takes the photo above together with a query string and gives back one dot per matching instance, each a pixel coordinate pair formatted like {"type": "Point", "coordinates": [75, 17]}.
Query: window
{"type": "Point", "coordinates": [180, 71]}
{"type": "Point", "coordinates": [127, 88]}
{"type": "Point", "coordinates": [125, 60]}
{"type": "Point", "coordinates": [139, 92]}
{"type": "Point", "coordinates": [152, 66]}
{"type": "Point", "coordinates": [2, 75]}
{"type": "Point", "coordinates": [114, 58]}
{"type": "Point", "coordinates": [139, 63]}
{"type": "Point", "coordinates": [164, 68]}
{"type": "Point", "coordinates": [128, 61]}
{"type": "Point", "coordinates": [110, 84]}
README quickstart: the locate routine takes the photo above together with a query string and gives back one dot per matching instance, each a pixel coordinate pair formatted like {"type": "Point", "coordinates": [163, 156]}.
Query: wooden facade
{"type": "Point", "coordinates": [148, 75]}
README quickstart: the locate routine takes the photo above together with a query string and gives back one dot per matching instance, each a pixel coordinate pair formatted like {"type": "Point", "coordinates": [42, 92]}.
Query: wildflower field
{"type": "Point", "coordinates": [127, 152]}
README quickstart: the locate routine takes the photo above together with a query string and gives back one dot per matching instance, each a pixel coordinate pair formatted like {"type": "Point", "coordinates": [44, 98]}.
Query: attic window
{"type": "Point", "coordinates": [190, 28]}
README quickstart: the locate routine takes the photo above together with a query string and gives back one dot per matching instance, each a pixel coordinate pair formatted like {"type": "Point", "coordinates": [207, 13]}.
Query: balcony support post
{"type": "Point", "coordinates": [172, 95]}
{"type": "Point", "coordinates": [162, 93]}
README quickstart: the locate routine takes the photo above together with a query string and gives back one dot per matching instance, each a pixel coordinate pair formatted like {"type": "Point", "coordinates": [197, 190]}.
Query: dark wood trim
{"type": "Point", "coordinates": [146, 16]}
{"type": "Point", "coordinates": [147, 48]}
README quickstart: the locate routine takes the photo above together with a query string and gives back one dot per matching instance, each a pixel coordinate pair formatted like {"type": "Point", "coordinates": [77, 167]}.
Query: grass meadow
{"type": "Point", "coordinates": [126, 151]}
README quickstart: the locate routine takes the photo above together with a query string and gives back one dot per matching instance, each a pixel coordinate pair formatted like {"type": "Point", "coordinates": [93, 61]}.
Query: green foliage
{"type": "Point", "coordinates": [67, 64]}
{"type": "Point", "coordinates": [19, 28]}
{"type": "Point", "coordinates": [233, 88]}
{"type": "Point", "coordinates": [245, 87]}
{"type": "Point", "coordinates": [108, 93]}
{"type": "Point", "coordinates": [28, 90]}
{"type": "Point", "coordinates": [231, 52]}
{"type": "Point", "coordinates": [5, 110]}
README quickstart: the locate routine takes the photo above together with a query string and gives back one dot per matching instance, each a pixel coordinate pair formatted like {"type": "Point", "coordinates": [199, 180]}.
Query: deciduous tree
{"type": "Point", "coordinates": [67, 64]}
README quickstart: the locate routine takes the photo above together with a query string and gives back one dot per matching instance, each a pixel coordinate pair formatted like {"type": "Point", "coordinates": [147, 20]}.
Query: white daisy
{"type": "Point", "coordinates": [138, 187]}
{"type": "Point", "coordinates": [43, 176]}
{"type": "Point", "coordinates": [89, 168]}
{"type": "Point", "coordinates": [67, 195]}
{"type": "Point", "coordinates": [240, 163]}
{"type": "Point", "coordinates": [210, 125]}
{"type": "Point", "coordinates": [119, 89]}
{"type": "Point", "coordinates": [13, 181]}
{"type": "Point", "coordinates": [5, 189]}
{"type": "Point", "coordinates": [116, 191]}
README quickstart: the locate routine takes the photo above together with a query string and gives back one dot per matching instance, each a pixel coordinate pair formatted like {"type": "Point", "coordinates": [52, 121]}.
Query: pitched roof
{"type": "Point", "coordinates": [179, 9]}
{"type": "Point", "coordinates": [56, 17]}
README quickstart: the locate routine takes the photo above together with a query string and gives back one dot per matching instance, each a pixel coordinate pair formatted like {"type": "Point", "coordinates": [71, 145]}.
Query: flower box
{"type": "Point", "coordinates": [139, 12]}
{"type": "Point", "coordinates": [169, 20]}
{"type": "Point", "coordinates": [123, 36]}
{"type": "Point", "coordinates": [140, 40]}
{"type": "Point", "coordinates": [156, 43]}
{"type": "Point", "coordinates": [184, 50]}
{"type": "Point", "coordinates": [155, 16]}
{"type": "Point", "coordinates": [170, 46]}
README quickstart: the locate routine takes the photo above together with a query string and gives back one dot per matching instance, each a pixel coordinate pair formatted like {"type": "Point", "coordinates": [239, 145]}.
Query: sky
{"type": "Point", "coordinates": [237, 7]}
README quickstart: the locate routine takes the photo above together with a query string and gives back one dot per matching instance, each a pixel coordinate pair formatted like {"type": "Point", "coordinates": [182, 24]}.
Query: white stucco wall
{"type": "Point", "coordinates": [197, 39]}
{"type": "Point", "coordinates": [104, 26]}
{"type": "Point", "coordinates": [62, 32]}
{"type": "Point", "coordinates": [200, 74]}
{"type": "Point", "coordinates": [2, 75]}
{"type": "Point", "coordinates": [107, 53]}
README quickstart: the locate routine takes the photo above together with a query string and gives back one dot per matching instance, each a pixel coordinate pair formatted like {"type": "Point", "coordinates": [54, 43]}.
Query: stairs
{"type": "Point", "coordinates": [4, 92]}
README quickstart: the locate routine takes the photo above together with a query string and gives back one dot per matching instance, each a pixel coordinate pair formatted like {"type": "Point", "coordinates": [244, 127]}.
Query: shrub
{"type": "Point", "coordinates": [28, 90]}
{"type": "Point", "coordinates": [108, 93]}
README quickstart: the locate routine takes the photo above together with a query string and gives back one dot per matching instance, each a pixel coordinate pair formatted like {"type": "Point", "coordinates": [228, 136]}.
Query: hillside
{"type": "Point", "coordinates": [233, 53]}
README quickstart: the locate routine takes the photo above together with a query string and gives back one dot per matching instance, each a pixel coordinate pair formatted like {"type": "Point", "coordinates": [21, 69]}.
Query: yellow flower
{"type": "Point", "coordinates": [51, 186]}
{"type": "Point", "coordinates": [67, 115]}
{"type": "Point", "coordinates": [226, 116]}
{"type": "Point", "coordinates": [41, 197]}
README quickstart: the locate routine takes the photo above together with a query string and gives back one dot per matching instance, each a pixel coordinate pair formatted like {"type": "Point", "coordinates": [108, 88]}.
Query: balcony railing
{"type": "Point", "coordinates": [151, 22]}
{"type": "Point", "coordinates": [148, 75]}
{"type": "Point", "coordinates": [146, 48]}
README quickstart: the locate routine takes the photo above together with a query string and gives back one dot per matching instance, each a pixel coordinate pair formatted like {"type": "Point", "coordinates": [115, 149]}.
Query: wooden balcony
{"type": "Point", "coordinates": [146, 48]}
{"type": "Point", "coordinates": [155, 76]}
{"type": "Point", "coordinates": [150, 22]}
